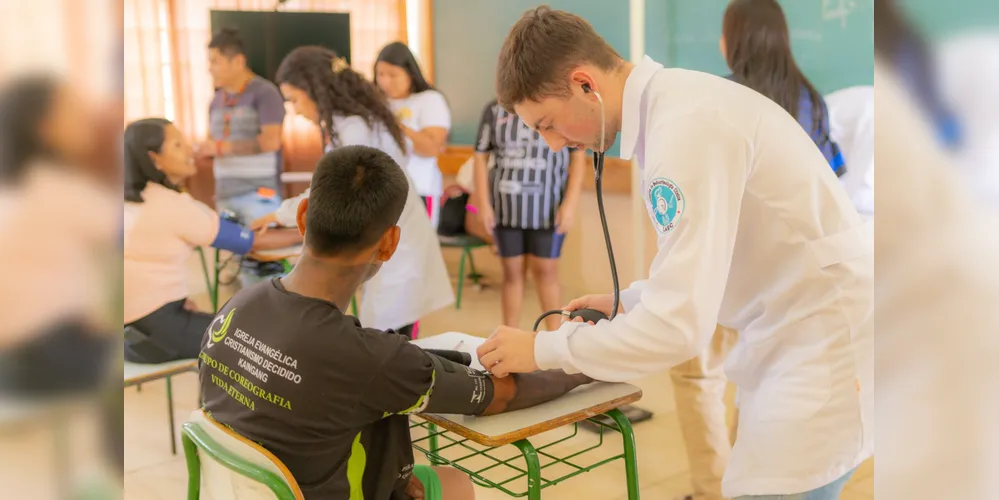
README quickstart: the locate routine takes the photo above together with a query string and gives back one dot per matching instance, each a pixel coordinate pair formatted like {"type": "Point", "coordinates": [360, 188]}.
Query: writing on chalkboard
{"type": "Point", "coordinates": [838, 9]}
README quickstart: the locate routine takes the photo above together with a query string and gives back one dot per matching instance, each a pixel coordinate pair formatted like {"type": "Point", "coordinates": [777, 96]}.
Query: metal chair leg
{"type": "Point", "coordinates": [474, 275]}
{"type": "Point", "coordinates": [173, 439]}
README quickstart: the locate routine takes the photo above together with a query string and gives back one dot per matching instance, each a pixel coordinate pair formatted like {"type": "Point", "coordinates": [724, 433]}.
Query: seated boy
{"type": "Point", "coordinates": [285, 366]}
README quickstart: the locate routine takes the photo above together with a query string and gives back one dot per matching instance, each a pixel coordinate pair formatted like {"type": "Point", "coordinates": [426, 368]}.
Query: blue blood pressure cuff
{"type": "Point", "coordinates": [233, 237]}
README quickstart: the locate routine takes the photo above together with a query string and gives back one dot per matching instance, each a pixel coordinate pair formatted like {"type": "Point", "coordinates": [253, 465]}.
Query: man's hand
{"type": "Point", "coordinates": [603, 303]}
{"type": "Point", "coordinates": [260, 225]}
{"type": "Point", "coordinates": [565, 217]}
{"type": "Point", "coordinates": [415, 488]}
{"type": "Point", "coordinates": [507, 351]}
{"type": "Point", "coordinates": [206, 149]}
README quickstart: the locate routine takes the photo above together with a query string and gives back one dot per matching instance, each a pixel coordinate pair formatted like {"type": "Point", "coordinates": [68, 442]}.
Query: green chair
{"type": "Point", "coordinates": [466, 243]}
{"type": "Point", "coordinates": [232, 466]}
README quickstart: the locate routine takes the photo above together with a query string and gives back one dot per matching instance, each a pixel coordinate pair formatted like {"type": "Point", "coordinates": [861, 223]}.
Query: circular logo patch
{"type": "Point", "coordinates": [666, 202]}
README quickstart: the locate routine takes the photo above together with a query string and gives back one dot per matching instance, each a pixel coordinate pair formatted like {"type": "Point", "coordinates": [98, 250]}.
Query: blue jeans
{"type": "Point", "coordinates": [830, 491]}
{"type": "Point", "coordinates": [249, 207]}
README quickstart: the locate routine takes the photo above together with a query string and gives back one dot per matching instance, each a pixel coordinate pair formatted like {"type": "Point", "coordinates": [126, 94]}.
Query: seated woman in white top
{"type": "Point", "coordinates": [424, 115]}
{"type": "Point", "coordinates": [162, 227]}
{"type": "Point", "coordinates": [350, 110]}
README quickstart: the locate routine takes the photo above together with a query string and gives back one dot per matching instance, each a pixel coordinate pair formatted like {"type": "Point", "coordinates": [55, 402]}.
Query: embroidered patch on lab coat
{"type": "Point", "coordinates": [666, 201]}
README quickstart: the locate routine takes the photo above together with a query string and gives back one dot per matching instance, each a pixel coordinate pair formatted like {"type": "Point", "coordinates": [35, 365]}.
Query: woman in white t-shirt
{"type": "Point", "coordinates": [424, 115]}
{"type": "Point", "coordinates": [415, 281]}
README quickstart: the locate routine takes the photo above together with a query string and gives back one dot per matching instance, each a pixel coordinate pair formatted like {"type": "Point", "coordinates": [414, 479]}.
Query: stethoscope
{"type": "Point", "coordinates": [598, 170]}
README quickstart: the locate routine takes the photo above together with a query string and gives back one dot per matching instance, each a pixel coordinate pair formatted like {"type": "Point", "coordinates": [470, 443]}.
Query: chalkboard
{"type": "Point", "coordinates": [939, 20]}
{"type": "Point", "coordinates": [832, 40]}
{"type": "Point", "coordinates": [269, 36]}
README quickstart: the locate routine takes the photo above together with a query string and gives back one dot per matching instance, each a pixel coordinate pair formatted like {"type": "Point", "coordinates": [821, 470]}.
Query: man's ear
{"type": "Point", "coordinates": [580, 77]}
{"type": "Point", "coordinates": [388, 244]}
{"type": "Point", "coordinates": [303, 206]}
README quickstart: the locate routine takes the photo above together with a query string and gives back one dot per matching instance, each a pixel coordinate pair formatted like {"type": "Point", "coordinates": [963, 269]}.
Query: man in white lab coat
{"type": "Point", "coordinates": [755, 234]}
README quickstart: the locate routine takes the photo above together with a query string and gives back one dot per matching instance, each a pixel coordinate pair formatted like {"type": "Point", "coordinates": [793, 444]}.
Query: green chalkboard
{"type": "Point", "coordinates": [269, 36]}
{"type": "Point", "coordinates": [832, 40]}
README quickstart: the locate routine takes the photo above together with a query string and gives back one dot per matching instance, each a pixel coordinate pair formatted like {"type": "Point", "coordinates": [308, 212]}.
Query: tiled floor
{"type": "Point", "coordinates": [152, 473]}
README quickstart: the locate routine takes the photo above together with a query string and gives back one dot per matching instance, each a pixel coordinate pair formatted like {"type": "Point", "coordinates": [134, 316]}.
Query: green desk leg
{"type": "Point", "coordinates": [353, 306]}
{"type": "Point", "coordinates": [533, 469]}
{"type": "Point", "coordinates": [630, 457]}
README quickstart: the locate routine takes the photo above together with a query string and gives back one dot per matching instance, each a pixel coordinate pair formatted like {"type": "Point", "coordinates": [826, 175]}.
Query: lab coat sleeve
{"type": "Point", "coordinates": [677, 309]}
{"type": "Point", "coordinates": [632, 295]}
{"type": "Point", "coordinates": [287, 214]}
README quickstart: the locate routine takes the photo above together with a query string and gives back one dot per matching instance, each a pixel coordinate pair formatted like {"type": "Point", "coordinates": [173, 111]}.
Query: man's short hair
{"type": "Point", "coordinates": [541, 49]}
{"type": "Point", "coordinates": [357, 193]}
{"type": "Point", "coordinates": [228, 42]}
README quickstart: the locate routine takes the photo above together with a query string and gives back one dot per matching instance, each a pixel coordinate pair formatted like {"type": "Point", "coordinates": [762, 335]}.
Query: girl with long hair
{"type": "Point", "coordinates": [424, 117]}
{"type": "Point", "coordinates": [350, 110]}
{"type": "Point", "coordinates": [756, 45]}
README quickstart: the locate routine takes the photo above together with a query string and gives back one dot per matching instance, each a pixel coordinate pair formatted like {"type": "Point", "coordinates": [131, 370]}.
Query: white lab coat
{"type": "Point", "coordinates": [414, 282]}
{"type": "Point", "coordinates": [851, 125]}
{"type": "Point", "coordinates": [766, 243]}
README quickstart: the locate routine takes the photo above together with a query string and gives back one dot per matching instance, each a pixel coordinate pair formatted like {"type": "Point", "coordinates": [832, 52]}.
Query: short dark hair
{"type": "Point", "coordinates": [539, 51]}
{"type": "Point", "coordinates": [24, 105]}
{"type": "Point", "coordinates": [228, 42]}
{"type": "Point", "coordinates": [357, 193]}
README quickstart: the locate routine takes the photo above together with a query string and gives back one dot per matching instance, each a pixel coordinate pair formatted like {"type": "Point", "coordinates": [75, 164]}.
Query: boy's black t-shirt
{"type": "Point", "coordinates": [310, 385]}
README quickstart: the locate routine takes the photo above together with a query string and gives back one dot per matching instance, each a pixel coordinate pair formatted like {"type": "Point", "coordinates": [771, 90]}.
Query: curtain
{"type": "Point", "coordinates": [68, 38]}
{"type": "Point", "coordinates": [168, 66]}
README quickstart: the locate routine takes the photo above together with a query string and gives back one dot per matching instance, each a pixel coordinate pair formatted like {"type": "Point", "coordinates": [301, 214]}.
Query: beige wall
{"type": "Point", "coordinates": [584, 268]}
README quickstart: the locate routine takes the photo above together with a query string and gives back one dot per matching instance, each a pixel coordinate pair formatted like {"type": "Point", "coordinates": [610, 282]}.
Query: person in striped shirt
{"type": "Point", "coordinates": [533, 193]}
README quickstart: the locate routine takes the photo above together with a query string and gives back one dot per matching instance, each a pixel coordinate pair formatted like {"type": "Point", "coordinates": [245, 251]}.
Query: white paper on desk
{"type": "Point", "coordinates": [454, 341]}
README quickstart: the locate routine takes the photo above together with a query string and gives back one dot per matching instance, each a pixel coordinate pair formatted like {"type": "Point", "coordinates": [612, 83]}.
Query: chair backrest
{"type": "Point", "coordinates": [230, 466]}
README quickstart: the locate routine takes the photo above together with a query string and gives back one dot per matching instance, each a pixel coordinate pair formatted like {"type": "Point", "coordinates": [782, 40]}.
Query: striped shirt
{"type": "Point", "coordinates": [528, 183]}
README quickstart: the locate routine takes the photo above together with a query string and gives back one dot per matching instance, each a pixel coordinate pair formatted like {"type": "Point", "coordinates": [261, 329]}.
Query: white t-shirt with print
{"type": "Point", "coordinates": [419, 111]}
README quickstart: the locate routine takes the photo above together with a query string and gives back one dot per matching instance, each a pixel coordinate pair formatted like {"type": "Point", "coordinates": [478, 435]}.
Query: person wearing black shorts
{"type": "Point", "coordinates": [533, 192]}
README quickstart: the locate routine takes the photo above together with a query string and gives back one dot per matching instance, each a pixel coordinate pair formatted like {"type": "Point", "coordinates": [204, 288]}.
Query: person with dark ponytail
{"type": "Point", "coordinates": [756, 45]}
{"type": "Point", "coordinates": [424, 115]}
{"type": "Point", "coordinates": [163, 225]}
{"type": "Point", "coordinates": [351, 111]}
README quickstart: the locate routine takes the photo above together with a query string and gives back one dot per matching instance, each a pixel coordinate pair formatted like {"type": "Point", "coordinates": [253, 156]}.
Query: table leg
{"type": "Point", "coordinates": [630, 457]}
{"type": "Point", "coordinates": [533, 469]}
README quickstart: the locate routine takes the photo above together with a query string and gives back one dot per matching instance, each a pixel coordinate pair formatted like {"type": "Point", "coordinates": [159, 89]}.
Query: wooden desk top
{"type": "Point", "coordinates": [277, 254]}
{"type": "Point", "coordinates": [495, 430]}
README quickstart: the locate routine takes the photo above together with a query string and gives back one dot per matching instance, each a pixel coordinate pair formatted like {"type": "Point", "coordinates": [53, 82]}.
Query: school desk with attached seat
{"type": "Point", "coordinates": [136, 374]}
{"type": "Point", "coordinates": [469, 443]}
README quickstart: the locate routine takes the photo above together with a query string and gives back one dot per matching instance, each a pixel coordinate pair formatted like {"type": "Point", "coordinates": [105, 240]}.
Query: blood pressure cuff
{"type": "Point", "coordinates": [458, 389]}
{"type": "Point", "coordinates": [233, 237]}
